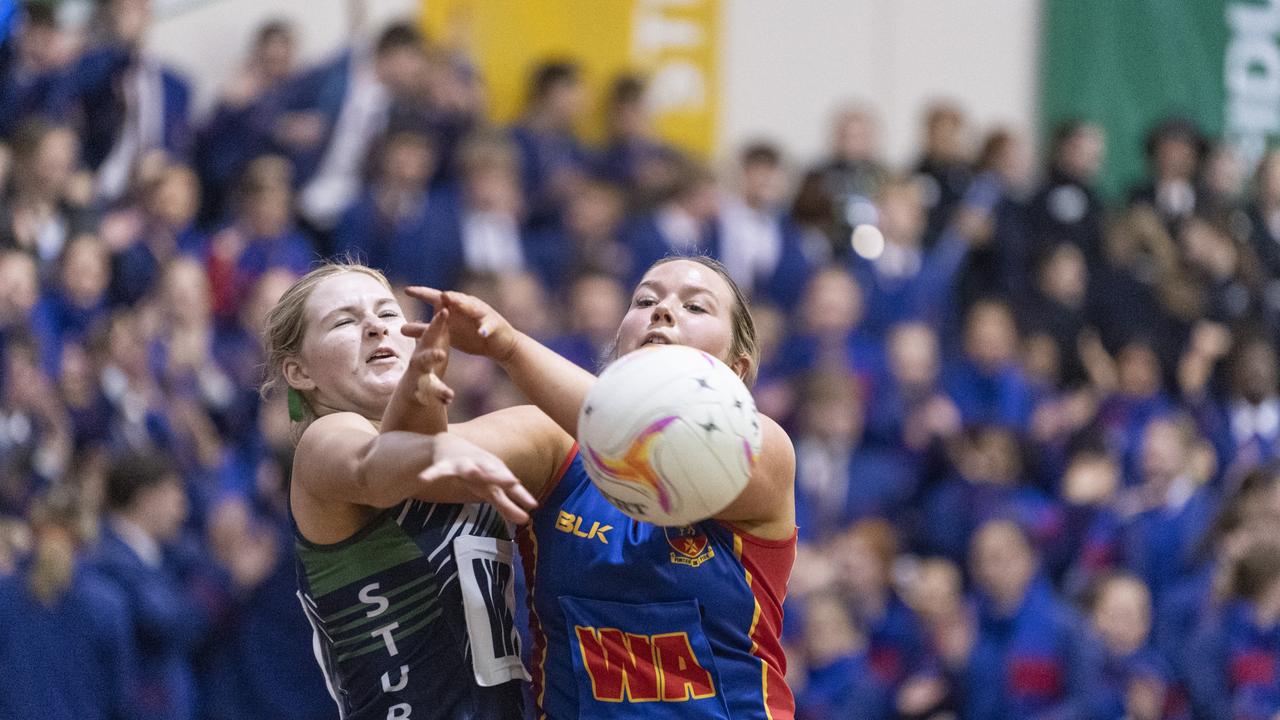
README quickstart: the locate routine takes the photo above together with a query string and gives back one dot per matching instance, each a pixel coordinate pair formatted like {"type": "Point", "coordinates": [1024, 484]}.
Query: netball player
{"type": "Point", "coordinates": [632, 620]}
{"type": "Point", "coordinates": [409, 598]}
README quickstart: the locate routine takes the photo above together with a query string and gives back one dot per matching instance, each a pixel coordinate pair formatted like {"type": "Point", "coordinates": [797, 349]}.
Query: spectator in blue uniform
{"type": "Point", "coordinates": [1030, 658]}
{"type": "Point", "coordinates": [76, 306]}
{"type": "Point", "coordinates": [1066, 207]}
{"type": "Point", "coordinates": [633, 156]}
{"type": "Point", "coordinates": [759, 245]}
{"type": "Point", "coordinates": [587, 237]}
{"type": "Point", "coordinates": [66, 635]}
{"type": "Point", "coordinates": [552, 160]}
{"type": "Point", "coordinates": [986, 383]}
{"type": "Point", "coordinates": [43, 207]}
{"type": "Point", "coordinates": [127, 104]}
{"type": "Point", "coordinates": [33, 52]}
{"type": "Point", "coordinates": [944, 168]}
{"type": "Point", "coordinates": [240, 126]}
{"type": "Point", "coordinates": [170, 611]}
{"type": "Point", "coordinates": [1232, 662]}
{"type": "Point", "coordinates": [1138, 681]}
{"type": "Point", "coordinates": [683, 223]}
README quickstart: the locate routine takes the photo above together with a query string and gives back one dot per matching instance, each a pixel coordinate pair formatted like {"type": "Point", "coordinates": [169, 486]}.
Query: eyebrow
{"type": "Point", "coordinates": [353, 309]}
{"type": "Point", "coordinates": [687, 290]}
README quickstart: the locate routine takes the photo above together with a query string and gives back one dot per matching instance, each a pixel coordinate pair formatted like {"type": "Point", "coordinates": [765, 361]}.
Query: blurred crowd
{"type": "Point", "coordinates": [1036, 431]}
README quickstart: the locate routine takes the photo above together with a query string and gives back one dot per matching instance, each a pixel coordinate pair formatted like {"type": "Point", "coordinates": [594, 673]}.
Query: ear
{"type": "Point", "coordinates": [741, 366]}
{"type": "Point", "coordinates": [295, 373]}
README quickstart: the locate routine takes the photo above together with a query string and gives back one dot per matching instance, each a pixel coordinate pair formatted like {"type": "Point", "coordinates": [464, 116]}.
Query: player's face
{"type": "Point", "coordinates": [353, 353]}
{"type": "Point", "coordinates": [680, 303]}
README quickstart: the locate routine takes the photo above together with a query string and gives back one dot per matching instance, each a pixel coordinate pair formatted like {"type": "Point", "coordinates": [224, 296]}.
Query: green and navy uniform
{"type": "Point", "coordinates": [412, 616]}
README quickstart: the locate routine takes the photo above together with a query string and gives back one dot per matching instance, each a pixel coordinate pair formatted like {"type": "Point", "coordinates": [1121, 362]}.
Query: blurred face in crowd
{"type": "Point", "coordinates": [1012, 161]}
{"type": "Point", "coordinates": [991, 457]}
{"type": "Point", "coordinates": [129, 19]}
{"type": "Point", "coordinates": [401, 69]}
{"type": "Point", "coordinates": [833, 410]}
{"type": "Point", "coordinates": [1164, 452]}
{"type": "Point", "coordinates": [564, 102]}
{"type": "Point", "coordinates": [598, 303]}
{"type": "Point", "coordinates": [19, 286]}
{"type": "Point", "coordinates": [1081, 154]}
{"type": "Point", "coordinates": [186, 292]}
{"type": "Point", "coordinates": [763, 184]}
{"type": "Point", "coordinates": [43, 46]}
{"type": "Point", "coordinates": [1224, 172]}
{"type": "Point", "coordinates": [902, 213]}
{"type": "Point", "coordinates": [1122, 615]}
{"type": "Point", "coordinates": [266, 293]}
{"type": "Point", "coordinates": [702, 201]}
{"type": "Point", "coordinates": [937, 592]}
{"type": "Point", "coordinates": [991, 337]}
{"type": "Point", "coordinates": [494, 188]}
{"type": "Point", "coordinates": [682, 303]}
{"type": "Point", "coordinates": [275, 54]}
{"type": "Point", "coordinates": [594, 212]}
{"type": "Point", "coordinates": [1090, 480]}
{"type": "Point", "coordinates": [86, 270]}
{"type": "Point", "coordinates": [268, 210]}
{"type": "Point", "coordinates": [1064, 277]}
{"type": "Point", "coordinates": [408, 162]}
{"type": "Point", "coordinates": [832, 305]}
{"type": "Point", "coordinates": [629, 120]}
{"type": "Point", "coordinates": [1209, 248]}
{"type": "Point", "coordinates": [161, 509]}
{"type": "Point", "coordinates": [853, 136]}
{"type": "Point", "coordinates": [1176, 158]}
{"type": "Point", "coordinates": [1003, 563]}
{"type": "Point", "coordinates": [862, 572]}
{"type": "Point", "coordinates": [913, 355]}
{"type": "Point", "coordinates": [1254, 374]}
{"type": "Point", "coordinates": [944, 135]}
{"type": "Point", "coordinates": [1268, 184]}
{"type": "Point", "coordinates": [829, 631]}
{"type": "Point", "coordinates": [521, 299]}
{"type": "Point", "coordinates": [1139, 370]}
{"type": "Point", "coordinates": [1041, 361]}
{"type": "Point", "coordinates": [53, 162]}
{"type": "Point", "coordinates": [175, 198]}
{"type": "Point", "coordinates": [353, 352]}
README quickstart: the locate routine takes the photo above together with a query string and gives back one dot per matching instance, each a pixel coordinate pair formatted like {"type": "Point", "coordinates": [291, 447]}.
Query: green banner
{"type": "Point", "coordinates": [1125, 64]}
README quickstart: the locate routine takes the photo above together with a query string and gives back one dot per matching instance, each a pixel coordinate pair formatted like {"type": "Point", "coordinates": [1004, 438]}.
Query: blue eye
{"type": "Point", "coordinates": [695, 308]}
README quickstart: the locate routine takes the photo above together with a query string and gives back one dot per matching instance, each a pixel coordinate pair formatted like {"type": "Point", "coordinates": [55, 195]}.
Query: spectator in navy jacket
{"type": "Point", "coordinates": [126, 103]}
{"type": "Point", "coordinates": [66, 634]}
{"type": "Point", "coordinates": [830, 332]}
{"type": "Point", "coordinates": [552, 160]}
{"type": "Point", "coordinates": [587, 236]}
{"type": "Point", "coordinates": [986, 383]}
{"type": "Point", "coordinates": [1264, 215]}
{"type": "Point", "coordinates": [633, 156]}
{"type": "Point", "coordinates": [944, 169]}
{"type": "Point", "coordinates": [760, 246]}
{"type": "Point", "coordinates": [169, 612]}
{"type": "Point", "coordinates": [261, 236]}
{"type": "Point", "coordinates": [239, 128]}
{"type": "Point", "coordinates": [1175, 150]}
{"type": "Point", "coordinates": [1030, 659]}
{"type": "Point", "coordinates": [1234, 660]}
{"type": "Point", "coordinates": [76, 306]}
{"type": "Point", "coordinates": [33, 51]}
{"type": "Point", "coordinates": [684, 223]}
{"type": "Point", "coordinates": [904, 279]}
{"type": "Point", "coordinates": [1066, 207]}
{"type": "Point", "coordinates": [1138, 681]}
{"type": "Point", "coordinates": [43, 207]}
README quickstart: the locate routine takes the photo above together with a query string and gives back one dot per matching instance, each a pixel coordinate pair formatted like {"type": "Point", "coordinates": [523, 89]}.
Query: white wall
{"type": "Point", "coordinates": [786, 65]}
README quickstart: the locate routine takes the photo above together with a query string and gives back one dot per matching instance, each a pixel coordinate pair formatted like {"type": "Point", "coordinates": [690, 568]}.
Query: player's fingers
{"type": "Point", "coordinates": [439, 471]}
{"type": "Point", "coordinates": [428, 295]}
{"type": "Point", "coordinates": [508, 509]}
{"type": "Point", "coordinates": [413, 329]}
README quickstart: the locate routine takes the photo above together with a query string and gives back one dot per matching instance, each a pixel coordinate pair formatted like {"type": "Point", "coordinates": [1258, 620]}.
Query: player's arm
{"type": "Point", "coordinates": [767, 505]}
{"type": "Point", "coordinates": [549, 381]}
{"type": "Point", "coordinates": [531, 444]}
{"type": "Point", "coordinates": [343, 463]}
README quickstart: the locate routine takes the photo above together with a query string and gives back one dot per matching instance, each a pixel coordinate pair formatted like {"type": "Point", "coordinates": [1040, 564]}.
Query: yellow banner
{"type": "Point", "coordinates": [673, 43]}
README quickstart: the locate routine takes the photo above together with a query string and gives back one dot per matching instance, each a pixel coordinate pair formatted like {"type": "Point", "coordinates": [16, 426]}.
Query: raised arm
{"type": "Point", "coordinates": [549, 381]}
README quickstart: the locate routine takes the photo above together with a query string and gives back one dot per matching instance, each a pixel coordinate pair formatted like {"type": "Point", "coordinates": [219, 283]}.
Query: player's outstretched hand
{"type": "Point", "coordinates": [474, 327]}
{"type": "Point", "coordinates": [429, 360]}
{"type": "Point", "coordinates": [481, 474]}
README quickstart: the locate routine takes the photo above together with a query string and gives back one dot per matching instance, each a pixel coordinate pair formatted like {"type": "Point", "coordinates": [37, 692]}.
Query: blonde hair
{"type": "Point", "coordinates": [286, 324]}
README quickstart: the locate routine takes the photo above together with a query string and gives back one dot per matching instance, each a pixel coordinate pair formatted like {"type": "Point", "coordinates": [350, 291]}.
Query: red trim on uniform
{"type": "Point", "coordinates": [555, 479]}
{"type": "Point", "coordinates": [768, 563]}
{"type": "Point", "coordinates": [757, 540]}
{"type": "Point", "coordinates": [527, 540]}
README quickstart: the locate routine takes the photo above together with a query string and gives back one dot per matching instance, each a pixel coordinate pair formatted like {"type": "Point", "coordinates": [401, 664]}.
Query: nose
{"type": "Point", "coordinates": [376, 327]}
{"type": "Point", "coordinates": [661, 314]}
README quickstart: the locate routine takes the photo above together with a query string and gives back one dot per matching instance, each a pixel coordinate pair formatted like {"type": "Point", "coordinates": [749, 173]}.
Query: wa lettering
{"type": "Point", "coordinates": [628, 667]}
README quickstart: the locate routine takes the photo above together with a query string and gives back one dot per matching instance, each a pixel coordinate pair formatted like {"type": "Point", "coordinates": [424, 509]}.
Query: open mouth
{"type": "Point", "coordinates": [655, 339]}
{"type": "Point", "coordinates": [381, 354]}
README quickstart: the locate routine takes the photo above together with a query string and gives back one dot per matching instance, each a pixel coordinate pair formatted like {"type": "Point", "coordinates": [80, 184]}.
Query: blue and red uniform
{"type": "Point", "coordinates": [633, 620]}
